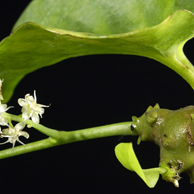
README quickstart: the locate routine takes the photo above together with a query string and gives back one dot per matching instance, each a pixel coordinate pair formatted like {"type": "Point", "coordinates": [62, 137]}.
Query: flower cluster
{"type": "Point", "coordinates": [30, 109]}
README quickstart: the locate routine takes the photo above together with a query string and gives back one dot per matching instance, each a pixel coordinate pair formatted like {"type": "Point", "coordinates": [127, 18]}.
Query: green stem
{"type": "Point", "coordinates": [64, 137]}
{"type": "Point", "coordinates": [38, 145]}
{"type": "Point", "coordinates": [177, 61]}
{"type": "Point", "coordinates": [47, 131]}
{"type": "Point", "coordinates": [184, 68]}
{"type": "Point", "coordinates": [116, 129]}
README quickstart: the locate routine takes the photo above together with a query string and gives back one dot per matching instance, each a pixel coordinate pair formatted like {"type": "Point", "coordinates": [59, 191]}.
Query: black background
{"type": "Point", "coordinates": [85, 92]}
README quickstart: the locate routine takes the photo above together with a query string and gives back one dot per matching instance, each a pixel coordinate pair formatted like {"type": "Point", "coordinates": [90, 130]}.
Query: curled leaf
{"type": "Point", "coordinates": [153, 29]}
{"type": "Point", "coordinates": [126, 156]}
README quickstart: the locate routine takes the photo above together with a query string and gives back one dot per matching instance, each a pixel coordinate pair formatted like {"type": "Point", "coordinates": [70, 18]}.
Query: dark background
{"type": "Point", "coordinates": [85, 92]}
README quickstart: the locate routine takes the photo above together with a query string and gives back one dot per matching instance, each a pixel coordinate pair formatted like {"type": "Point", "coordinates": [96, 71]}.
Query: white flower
{"type": "Point", "coordinates": [13, 133]}
{"type": "Point", "coordinates": [3, 109]}
{"type": "Point", "coordinates": [30, 108]}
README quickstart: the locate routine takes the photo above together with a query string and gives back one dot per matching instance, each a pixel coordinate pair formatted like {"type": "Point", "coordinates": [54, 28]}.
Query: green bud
{"type": "Point", "coordinates": [156, 105]}
{"type": "Point", "coordinates": [152, 117]}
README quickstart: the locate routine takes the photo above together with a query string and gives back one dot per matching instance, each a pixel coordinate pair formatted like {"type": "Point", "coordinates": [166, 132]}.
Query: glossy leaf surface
{"type": "Point", "coordinates": [113, 27]}
{"type": "Point", "coordinates": [101, 16]}
{"type": "Point", "coordinates": [126, 156]}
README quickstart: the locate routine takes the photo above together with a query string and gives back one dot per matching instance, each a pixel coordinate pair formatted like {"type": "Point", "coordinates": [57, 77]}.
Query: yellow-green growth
{"type": "Point", "coordinates": [173, 132]}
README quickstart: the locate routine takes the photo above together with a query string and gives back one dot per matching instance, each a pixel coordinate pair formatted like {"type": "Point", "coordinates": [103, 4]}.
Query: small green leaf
{"type": "Point", "coordinates": [126, 156]}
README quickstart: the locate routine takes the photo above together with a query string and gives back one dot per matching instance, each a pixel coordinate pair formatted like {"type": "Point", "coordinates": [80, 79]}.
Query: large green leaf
{"type": "Point", "coordinates": [126, 156]}
{"type": "Point", "coordinates": [101, 17]}
{"type": "Point", "coordinates": [97, 27]}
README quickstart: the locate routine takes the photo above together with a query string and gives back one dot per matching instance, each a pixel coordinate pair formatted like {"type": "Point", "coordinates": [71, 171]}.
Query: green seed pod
{"type": "Point", "coordinates": [173, 132]}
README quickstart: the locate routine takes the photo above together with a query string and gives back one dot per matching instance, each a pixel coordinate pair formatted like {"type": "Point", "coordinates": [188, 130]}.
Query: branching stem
{"type": "Point", "coordinates": [64, 137]}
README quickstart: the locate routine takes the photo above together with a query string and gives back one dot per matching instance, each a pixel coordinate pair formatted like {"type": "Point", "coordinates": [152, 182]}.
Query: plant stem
{"type": "Point", "coordinates": [64, 137]}
{"type": "Point", "coordinates": [116, 129]}
{"type": "Point", "coordinates": [180, 64]}
{"type": "Point", "coordinates": [47, 131]}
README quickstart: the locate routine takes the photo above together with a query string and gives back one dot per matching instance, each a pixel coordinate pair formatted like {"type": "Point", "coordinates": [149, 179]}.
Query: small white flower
{"type": "Point", "coordinates": [30, 108]}
{"type": "Point", "coordinates": [3, 109]}
{"type": "Point", "coordinates": [13, 133]}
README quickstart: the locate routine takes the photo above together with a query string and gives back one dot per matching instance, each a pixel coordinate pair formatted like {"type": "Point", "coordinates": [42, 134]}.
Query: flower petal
{"type": "Point", "coordinates": [3, 108]}
{"type": "Point", "coordinates": [22, 102]}
{"type": "Point", "coordinates": [20, 126]}
{"type": "Point", "coordinates": [3, 121]}
{"type": "Point", "coordinates": [35, 118]}
{"type": "Point", "coordinates": [24, 134]}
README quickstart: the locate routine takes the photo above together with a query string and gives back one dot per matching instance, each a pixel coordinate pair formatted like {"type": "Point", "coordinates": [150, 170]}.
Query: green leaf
{"type": "Point", "coordinates": [126, 156]}
{"type": "Point", "coordinates": [97, 27]}
{"type": "Point", "coordinates": [100, 16]}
